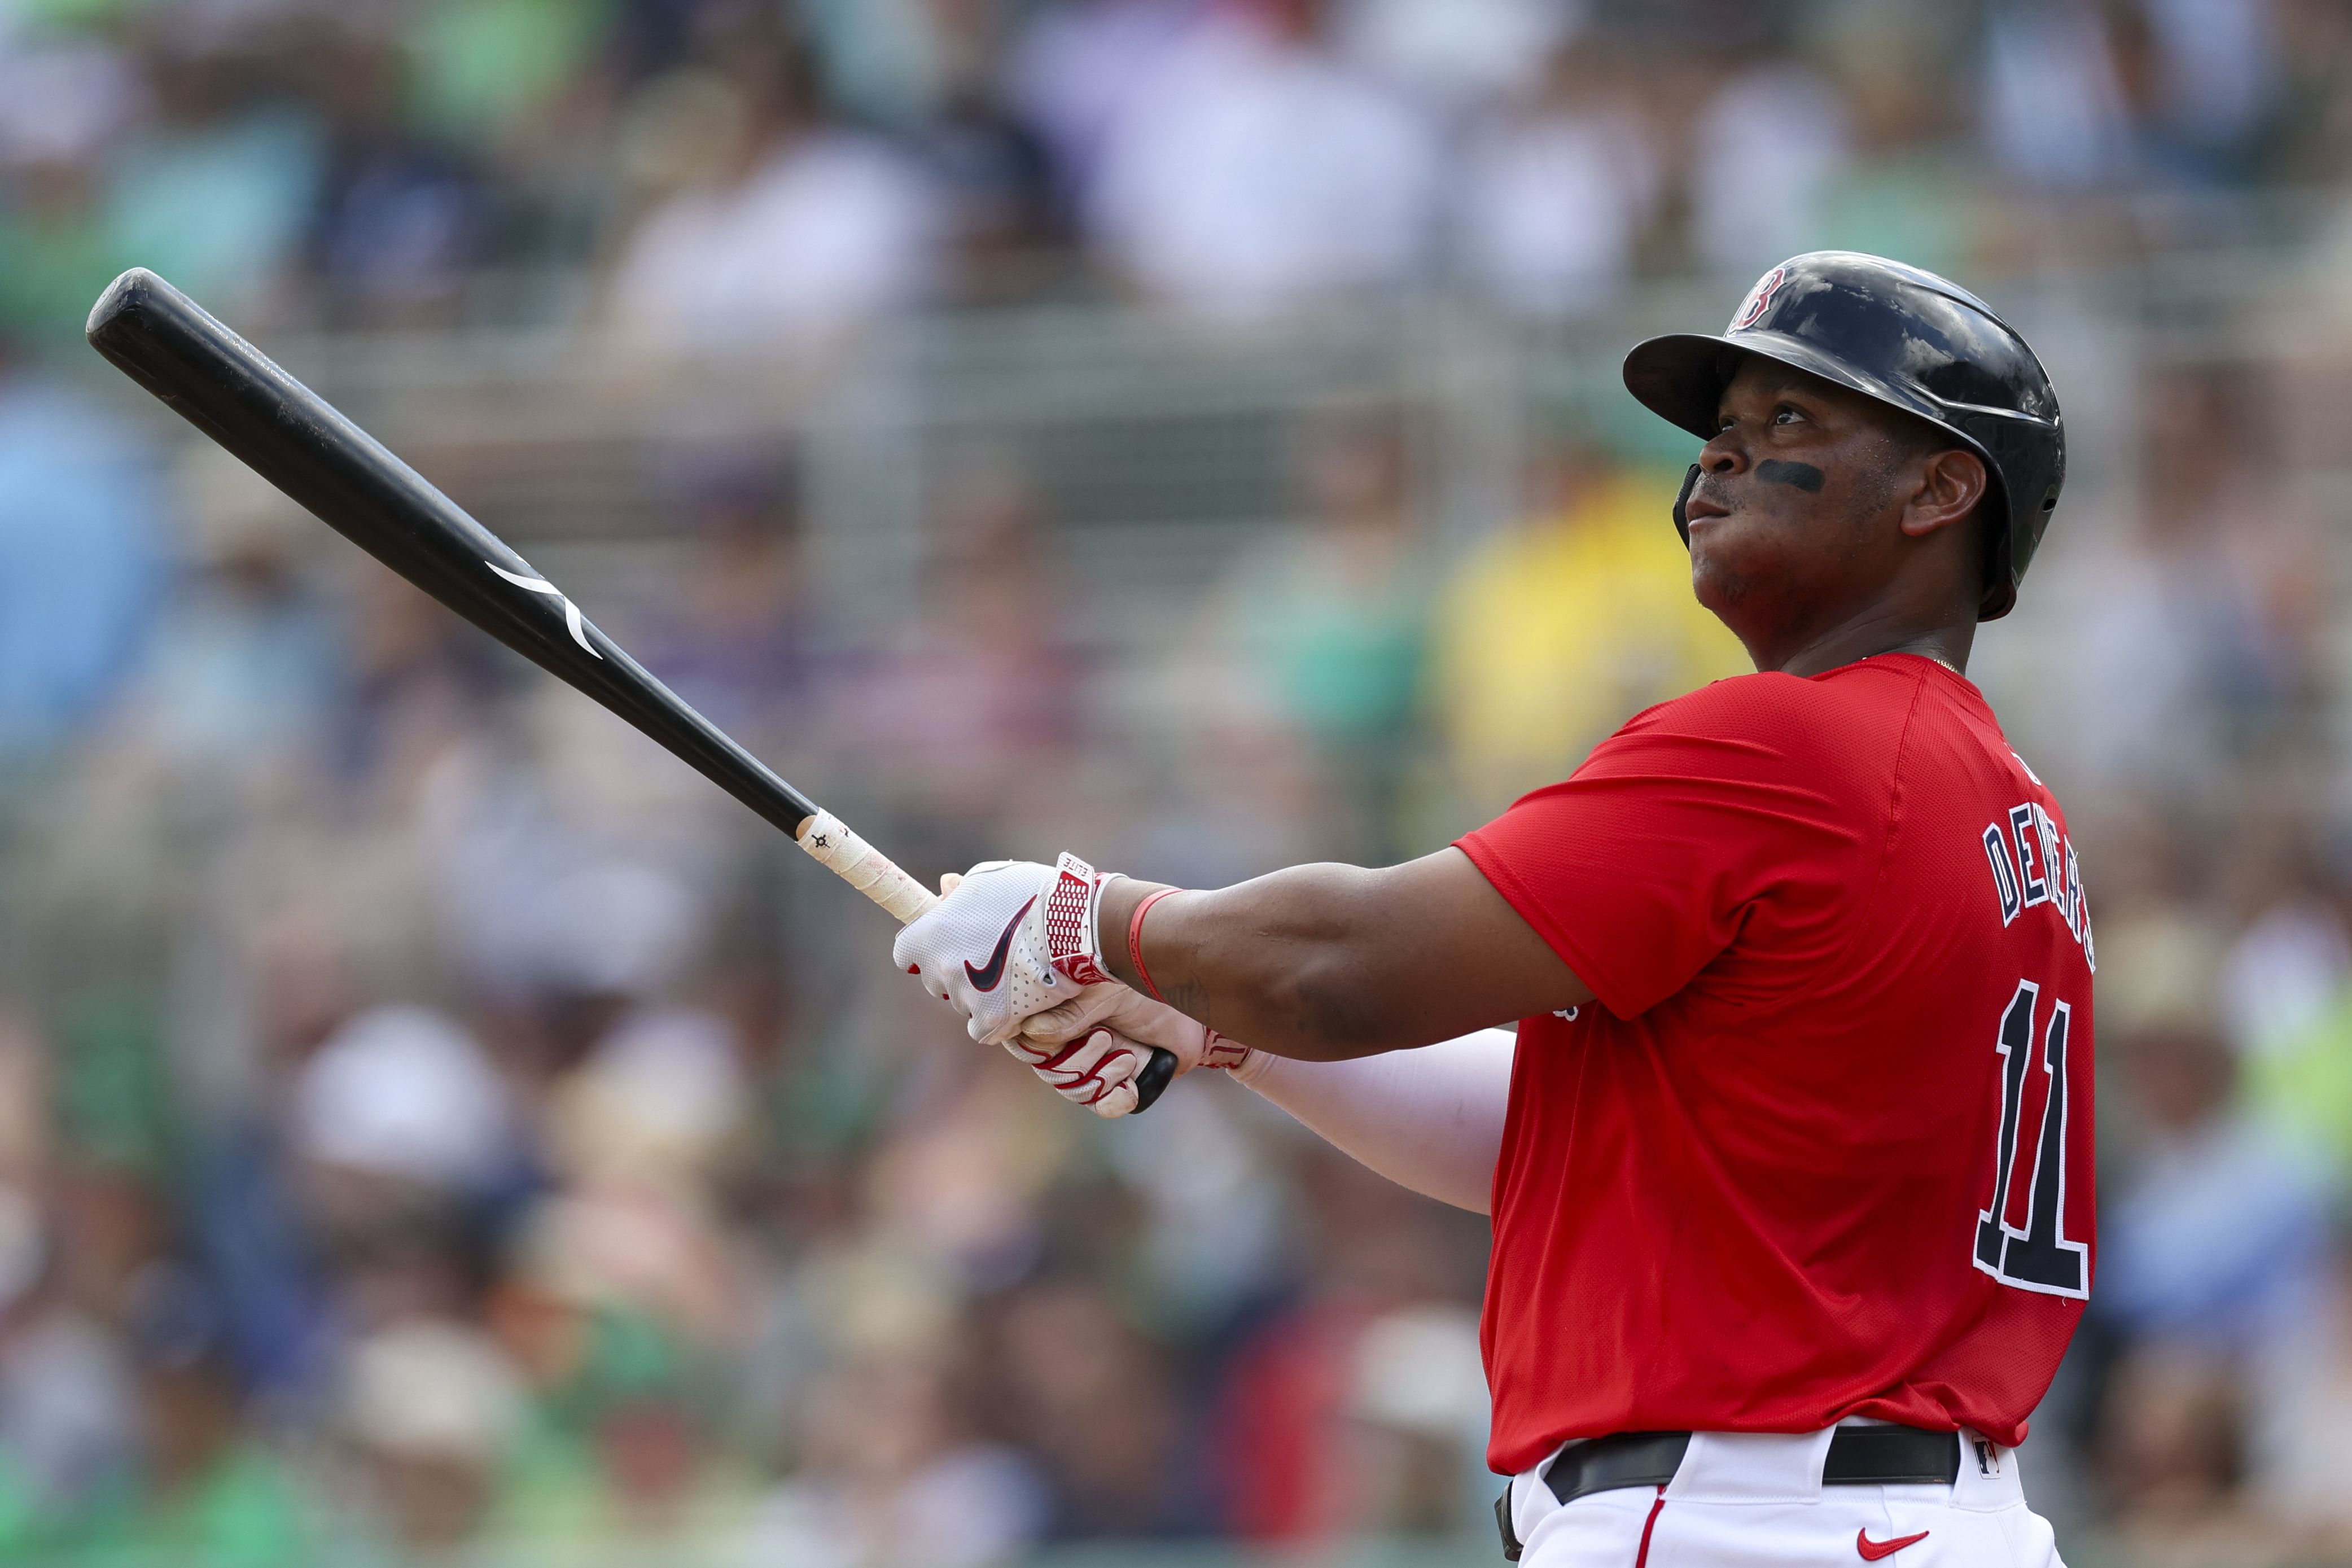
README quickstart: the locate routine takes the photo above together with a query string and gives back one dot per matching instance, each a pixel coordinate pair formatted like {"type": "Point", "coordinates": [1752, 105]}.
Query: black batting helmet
{"type": "Point", "coordinates": [1906, 338]}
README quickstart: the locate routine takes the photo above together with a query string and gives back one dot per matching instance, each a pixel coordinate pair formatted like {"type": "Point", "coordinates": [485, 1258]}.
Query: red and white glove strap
{"type": "Point", "coordinates": [1073, 902]}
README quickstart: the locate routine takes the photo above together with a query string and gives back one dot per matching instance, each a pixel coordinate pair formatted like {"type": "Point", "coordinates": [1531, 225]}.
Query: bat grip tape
{"type": "Point", "coordinates": [864, 868]}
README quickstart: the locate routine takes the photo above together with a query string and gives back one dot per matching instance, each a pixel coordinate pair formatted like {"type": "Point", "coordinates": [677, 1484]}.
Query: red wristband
{"type": "Point", "coordinates": [1135, 938]}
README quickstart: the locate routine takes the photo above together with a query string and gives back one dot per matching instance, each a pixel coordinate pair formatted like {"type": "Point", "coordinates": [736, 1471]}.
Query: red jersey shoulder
{"type": "Point", "coordinates": [1839, 729]}
{"type": "Point", "coordinates": [1772, 703]}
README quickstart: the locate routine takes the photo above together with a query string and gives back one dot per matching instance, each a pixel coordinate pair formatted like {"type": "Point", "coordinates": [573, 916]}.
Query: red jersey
{"type": "Point", "coordinates": [1822, 1147]}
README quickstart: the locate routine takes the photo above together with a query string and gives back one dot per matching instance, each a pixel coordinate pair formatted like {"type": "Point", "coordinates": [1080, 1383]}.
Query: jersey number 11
{"type": "Point", "coordinates": [2039, 1258]}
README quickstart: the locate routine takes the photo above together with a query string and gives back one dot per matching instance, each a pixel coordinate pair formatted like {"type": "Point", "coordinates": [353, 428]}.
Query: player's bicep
{"type": "Point", "coordinates": [1458, 957]}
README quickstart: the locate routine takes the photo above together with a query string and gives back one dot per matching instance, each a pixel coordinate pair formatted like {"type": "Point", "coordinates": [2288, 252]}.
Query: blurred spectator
{"type": "Point", "coordinates": [211, 1492]}
{"type": "Point", "coordinates": [421, 683]}
{"type": "Point", "coordinates": [656, 1103]}
{"type": "Point", "coordinates": [1459, 55]}
{"type": "Point", "coordinates": [478, 68]}
{"type": "Point", "coordinates": [731, 631]}
{"type": "Point", "coordinates": [402, 1095]}
{"type": "Point", "coordinates": [73, 1241]}
{"type": "Point", "coordinates": [2212, 1249]}
{"type": "Point", "coordinates": [1091, 1396]}
{"type": "Point", "coordinates": [2053, 110]}
{"type": "Point", "coordinates": [624, 1456]}
{"type": "Point", "coordinates": [894, 61]}
{"type": "Point", "coordinates": [979, 687]}
{"type": "Point", "coordinates": [2175, 1440]}
{"type": "Point", "coordinates": [80, 557]}
{"type": "Point", "coordinates": [1560, 629]}
{"type": "Point", "coordinates": [569, 871]}
{"type": "Point", "coordinates": [777, 227]}
{"type": "Point", "coordinates": [2304, 1082]}
{"type": "Point", "coordinates": [1385, 1272]}
{"type": "Point", "coordinates": [633, 1135]}
{"type": "Point", "coordinates": [1213, 1216]}
{"type": "Point", "coordinates": [431, 1412]}
{"type": "Point", "coordinates": [69, 1421]}
{"type": "Point", "coordinates": [2216, 1239]}
{"type": "Point", "coordinates": [1075, 64]}
{"type": "Point", "coordinates": [402, 218]}
{"type": "Point", "coordinates": [891, 1474]}
{"type": "Point", "coordinates": [1764, 153]}
{"type": "Point", "coordinates": [62, 97]}
{"type": "Point", "coordinates": [2192, 640]}
{"type": "Point", "coordinates": [2205, 81]}
{"type": "Point", "coordinates": [2287, 966]}
{"type": "Point", "coordinates": [244, 670]}
{"type": "Point", "coordinates": [1556, 194]}
{"type": "Point", "coordinates": [932, 70]}
{"type": "Point", "coordinates": [1323, 622]}
{"type": "Point", "coordinates": [217, 192]}
{"type": "Point", "coordinates": [245, 1217]}
{"type": "Point", "coordinates": [2300, 1419]}
{"type": "Point", "coordinates": [2313, 126]}
{"type": "Point", "coordinates": [1419, 1392]}
{"type": "Point", "coordinates": [1911, 187]}
{"type": "Point", "coordinates": [63, 102]}
{"type": "Point", "coordinates": [1256, 169]}
{"type": "Point", "coordinates": [996, 185]}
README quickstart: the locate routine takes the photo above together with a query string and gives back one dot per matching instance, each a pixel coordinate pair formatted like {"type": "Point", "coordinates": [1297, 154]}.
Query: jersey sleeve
{"type": "Point", "coordinates": [1740, 807]}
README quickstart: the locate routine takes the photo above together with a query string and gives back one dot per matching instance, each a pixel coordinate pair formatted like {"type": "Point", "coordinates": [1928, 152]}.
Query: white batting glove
{"type": "Point", "coordinates": [1091, 1047]}
{"type": "Point", "coordinates": [1008, 940]}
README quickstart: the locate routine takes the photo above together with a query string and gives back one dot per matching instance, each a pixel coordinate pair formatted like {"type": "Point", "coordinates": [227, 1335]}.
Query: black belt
{"type": "Point", "coordinates": [1858, 1456]}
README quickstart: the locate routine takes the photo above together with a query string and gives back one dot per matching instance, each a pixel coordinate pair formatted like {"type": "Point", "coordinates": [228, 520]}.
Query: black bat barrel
{"type": "Point", "coordinates": [289, 436]}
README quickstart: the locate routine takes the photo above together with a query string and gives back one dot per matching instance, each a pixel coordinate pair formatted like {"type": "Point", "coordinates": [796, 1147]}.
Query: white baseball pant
{"type": "Point", "coordinates": [1756, 1500]}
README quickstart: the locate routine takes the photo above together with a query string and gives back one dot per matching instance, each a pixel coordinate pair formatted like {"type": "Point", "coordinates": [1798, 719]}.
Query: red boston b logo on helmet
{"type": "Point", "coordinates": [1758, 298]}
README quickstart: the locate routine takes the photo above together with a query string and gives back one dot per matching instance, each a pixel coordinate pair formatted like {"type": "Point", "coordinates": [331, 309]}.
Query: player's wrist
{"type": "Point", "coordinates": [1114, 920]}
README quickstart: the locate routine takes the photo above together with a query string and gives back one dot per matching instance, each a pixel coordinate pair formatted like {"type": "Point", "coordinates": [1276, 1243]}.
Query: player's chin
{"type": "Point", "coordinates": [1720, 578]}
{"type": "Point", "coordinates": [1737, 563]}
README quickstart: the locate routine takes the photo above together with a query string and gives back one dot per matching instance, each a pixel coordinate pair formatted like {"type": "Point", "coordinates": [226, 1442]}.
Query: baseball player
{"type": "Point", "coordinates": [1790, 1155]}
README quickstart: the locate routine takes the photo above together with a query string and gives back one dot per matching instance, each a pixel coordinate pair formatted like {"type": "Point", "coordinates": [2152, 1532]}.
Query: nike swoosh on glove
{"type": "Point", "coordinates": [1008, 941]}
{"type": "Point", "coordinates": [1091, 1047]}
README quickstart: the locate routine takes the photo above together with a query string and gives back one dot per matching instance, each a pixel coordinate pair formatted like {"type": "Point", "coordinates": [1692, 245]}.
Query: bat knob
{"type": "Point", "coordinates": [1153, 1080]}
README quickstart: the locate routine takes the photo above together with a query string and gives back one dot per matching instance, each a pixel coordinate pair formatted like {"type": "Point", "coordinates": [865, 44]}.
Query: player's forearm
{"type": "Point", "coordinates": [1430, 1120]}
{"type": "Point", "coordinates": [1289, 961]}
{"type": "Point", "coordinates": [1326, 963]}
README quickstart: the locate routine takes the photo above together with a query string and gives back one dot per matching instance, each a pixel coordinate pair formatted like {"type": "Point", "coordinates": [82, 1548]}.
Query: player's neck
{"type": "Point", "coordinates": [1883, 630]}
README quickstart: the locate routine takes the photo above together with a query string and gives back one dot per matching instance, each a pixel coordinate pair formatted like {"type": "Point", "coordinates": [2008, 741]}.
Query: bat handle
{"type": "Point", "coordinates": [832, 846]}
{"type": "Point", "coordinates": [848, 857]}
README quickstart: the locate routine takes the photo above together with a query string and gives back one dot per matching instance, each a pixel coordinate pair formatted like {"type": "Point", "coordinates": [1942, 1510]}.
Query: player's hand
{"type": "Point", "coordinates": [1091, 1047]}
{"type": "Point", "coordinates": [1007, 940]}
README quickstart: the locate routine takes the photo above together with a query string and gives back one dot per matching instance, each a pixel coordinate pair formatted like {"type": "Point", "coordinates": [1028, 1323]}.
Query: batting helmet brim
{"type": "Point", "coordinates": [1680, 377]}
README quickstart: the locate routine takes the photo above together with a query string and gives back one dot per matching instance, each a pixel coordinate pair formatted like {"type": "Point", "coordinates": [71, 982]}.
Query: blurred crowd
{"type": "Point", "coordinates": [432, 1123]}
{"type": "Point", "coordinates": [768, 174]}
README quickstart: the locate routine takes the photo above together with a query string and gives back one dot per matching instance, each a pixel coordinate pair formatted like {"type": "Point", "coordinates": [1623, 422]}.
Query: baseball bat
{"type": "Point", "coordinates": [351, 482]}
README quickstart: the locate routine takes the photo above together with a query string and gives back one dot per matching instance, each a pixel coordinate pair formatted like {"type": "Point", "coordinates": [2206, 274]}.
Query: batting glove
{"type": "Point", "coordinates": [1091, 1047]}
{"type": "Point", "coordinates": [1009, 940]}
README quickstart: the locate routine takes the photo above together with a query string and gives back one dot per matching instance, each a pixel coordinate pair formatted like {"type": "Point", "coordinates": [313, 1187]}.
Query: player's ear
{"type": "Point", "coordinates": [1950, 484]}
